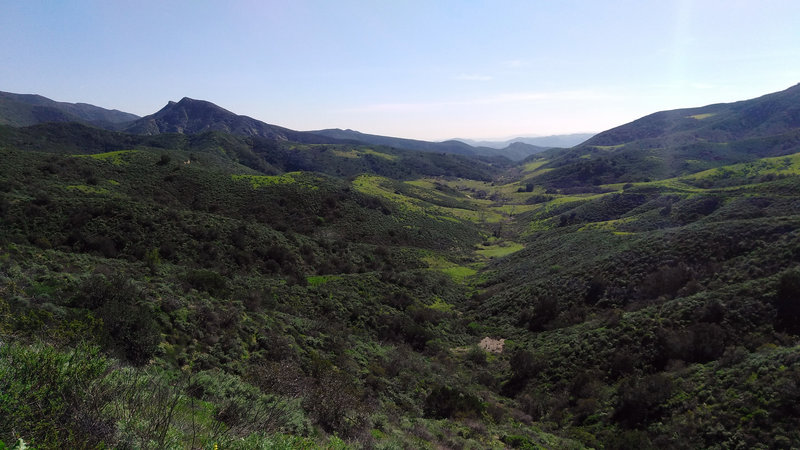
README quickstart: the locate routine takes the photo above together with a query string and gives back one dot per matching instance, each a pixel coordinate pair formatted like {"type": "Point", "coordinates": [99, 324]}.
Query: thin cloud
{"type": "Point", "coordinates": [540, 96]}
{"type": "Point", "coordinates": [686, 85]}
{"type": "Point", "coordinates": [511, 97]}
{"type": "Point", "coordinates": [474, 77]}
{"type": "Point", "coordinates": [514, 63]}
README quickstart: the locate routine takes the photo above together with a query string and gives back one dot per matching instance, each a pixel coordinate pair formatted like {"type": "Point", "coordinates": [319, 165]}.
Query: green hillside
{"type": "Point", "coordinates": [212, 290]}
{"type": "Point", "coordinates": [209, 287]}
{"type": "Point", "coordinates": [668, 144]}
{"type": "Point", "coordinates": [642, 310]}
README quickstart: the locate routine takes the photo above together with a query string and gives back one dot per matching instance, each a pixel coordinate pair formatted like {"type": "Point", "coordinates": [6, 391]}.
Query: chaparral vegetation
{"type": "Point", "coordinates": [246, 286]}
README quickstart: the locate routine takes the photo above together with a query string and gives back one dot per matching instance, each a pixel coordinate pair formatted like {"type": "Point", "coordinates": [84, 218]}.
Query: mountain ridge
{"type": "Point", "coordinates": [455, 146]}
{"type": "Point", "coordinates": [450, 146]}
{"type": "Point", "coordinates": [194, 116]}
{"type": "Point", "coordinates": [191, 116]}
{"type": "Point", "coordinates": [672, 143]}
{"type": "Point", "coordinates": [765, 115]}
{"type": "Point", "coordinates": [32, 109]}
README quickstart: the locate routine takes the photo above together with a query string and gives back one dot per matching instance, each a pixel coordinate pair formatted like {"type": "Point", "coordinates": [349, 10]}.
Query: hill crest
{"type": "Point", "coordinates": [21, 110]}
{"type": "Point", "coordinates": [767, 115]}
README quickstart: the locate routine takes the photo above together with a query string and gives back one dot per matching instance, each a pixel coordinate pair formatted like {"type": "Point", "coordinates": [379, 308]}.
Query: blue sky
{"type": "Point", "coordinates": [419, 69]}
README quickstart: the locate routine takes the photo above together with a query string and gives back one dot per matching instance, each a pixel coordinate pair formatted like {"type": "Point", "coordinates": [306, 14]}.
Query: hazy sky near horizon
{"type": "Point", "coordinates": [420, 69]}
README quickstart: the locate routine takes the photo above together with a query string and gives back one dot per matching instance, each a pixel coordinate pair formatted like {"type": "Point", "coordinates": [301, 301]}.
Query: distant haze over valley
{"type": "Point", "coordinates": [556, 140]}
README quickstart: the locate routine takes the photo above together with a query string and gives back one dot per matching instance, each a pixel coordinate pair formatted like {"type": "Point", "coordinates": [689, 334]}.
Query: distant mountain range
{"type": "Point", "coordinates": [191, 116]}
{"type": "Point", "coordinates": [718, 123]}
{"type": "Point", "coordinates": [558, 140]}
{"type": "Point", "coordinates": [514, 151]}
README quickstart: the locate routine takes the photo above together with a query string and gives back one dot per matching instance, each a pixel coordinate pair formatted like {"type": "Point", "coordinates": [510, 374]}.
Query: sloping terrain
{"type": "Point", "coordinates": [27, 109]}
{"type": "Point", "coordinates": [769, 115]}
{"type": "Point", "coordinates": [191, 290]}
{"type": "Point", "coordinates": [262, 154]}
{"type": "Point", "coordinates": [641, 310]}
{"type": "Point", "coordinates": [234, 307]}
{"type": "Point", "coordinates": [189, 116]}
{"type": "Point", "coordinates": [451, 146]}
{"type": "Point", "coordinates": [513, 150]}
{"type": "Point", "coordinates": [673, 143]}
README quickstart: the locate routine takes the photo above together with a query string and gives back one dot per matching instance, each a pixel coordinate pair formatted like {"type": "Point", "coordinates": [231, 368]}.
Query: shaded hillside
{"type": "Point", "coordinates": [518, 151]}
{"type": "Point", "coordinates": [27, 109]}
{"type": "Point", "coordinates": [452, 146]}
{"type": "Point", "coordinates": [262, 154]}
{"type": "Point", "coordinates": [769, 115]}
{"type": "Point", "coordinates": [514, 151]}
{"type": "Point", "coordinates": [189, 116]}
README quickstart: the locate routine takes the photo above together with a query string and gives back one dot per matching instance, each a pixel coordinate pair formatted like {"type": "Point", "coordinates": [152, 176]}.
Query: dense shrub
{"type": "Point", "coordinates": [640, 400]}
{"type": "Point", "coordinates": [128, 320]}
{"type": "Point", "coordinates": [208, 281]}
{"type": "Point", "coordinates": [787, 302]}
{"type": "Point", "coordinates": [46, 395]}
{"type": "Point", "coordinates": [447, 402]}
{"type": "Point", "coordinates": [524, 366]}
{"type": "Point", "coordinates": [335, 403]}
{"type": "Point", "coordinates": [540, 313]}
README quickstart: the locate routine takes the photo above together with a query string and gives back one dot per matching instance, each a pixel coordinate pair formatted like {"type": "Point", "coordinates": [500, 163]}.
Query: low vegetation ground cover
{"type": "Point", "coordinates": [193, 292]}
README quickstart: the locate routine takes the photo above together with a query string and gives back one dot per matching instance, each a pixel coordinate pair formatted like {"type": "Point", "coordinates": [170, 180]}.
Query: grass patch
{"type": "Point", "coordinates": [512, 209]}
{"type": "Point", "coordinates": [440, 305]}
{"type": "Point", "coordinates": [257, 181]}
{"type": "Point", "coordinates": [422, 183]}
{"type": "Point", "coordinates": [608, 225]}
{"type": "Point", "coordinates": [116, 158]}
{"type": "Point", "coordinates": [675, 185]}
{"type": "Point", "coordinates": [352, 154]}
{"type": "Point", "coordinates": [358, 153]}
{"type": "Point", "coordinates": [458, 273]}
{"type": "Point", "coordinates": [372, 152]}
{"type": "Point", "coordinates": [789, 165]}
{"type": "Point", "coordinates": [533, 166]}
{"type": "Point", "coordinates": [483, 216]}
{"type": "Point", "coordinates": [318, 280]}
{"type": "Point", "coordinates": [88, 189]}
{"type": "Point", "coordinates": [374, 185]}
{"type": "Point", "coordinates": [701, 116]}
{"type": "Point", "coordinates": [499, 250]}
